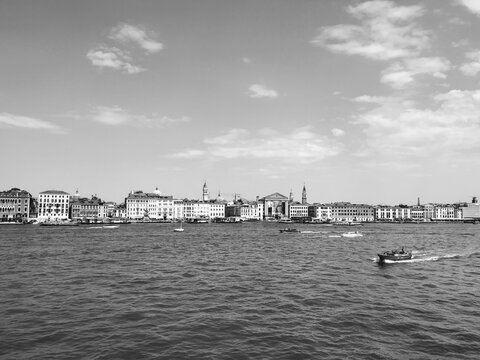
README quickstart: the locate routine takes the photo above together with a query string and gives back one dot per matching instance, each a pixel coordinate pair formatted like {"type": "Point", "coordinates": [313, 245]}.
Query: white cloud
{"type": "Point", "coordinates": [473, 67]}
{"type": "Point", "coordinates": [125, 33]}
{"type": "Point", "coordinates": [370, 99]}
{"type": "Point", "coordinates": [302, 146]}
{"type": "Point", "coordinates": [471, 5]}
{"type": "Point", "coordinates": [190, 154]}
{"type": "Point", "coordinates": [338, 132]}
{"type": "Point", "coordinates": [113, 58]}
{"type": "Point", "coordinates": [246, 60]}
{"type": "Point", "coordinates": [11, 120]}
{"type": "Point", "coordinates": [115, 115]}
{"type": "Point", "coordinates": [110, 115]}
{"type": "Point", "coordinates": [404, 73]}
{"type": "Point", "coordinates": [257, 91]}
{"type": "Point", "coordinates": [402, 132]}
{"type": "Point", "coordinates": [386, 31]}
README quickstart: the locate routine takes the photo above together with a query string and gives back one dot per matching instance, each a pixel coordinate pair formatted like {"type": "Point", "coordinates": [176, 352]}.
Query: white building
{"type": "Point", "coordinates": [195, 210]}
{"type": "Point", "coordinates": [297, 210]}
{"type": "Point", "coordinates": [140, 205]}
{"type": "Point", "coordinates": [53, 205]}
{"type": "Point", "coordinates": [217, 210]}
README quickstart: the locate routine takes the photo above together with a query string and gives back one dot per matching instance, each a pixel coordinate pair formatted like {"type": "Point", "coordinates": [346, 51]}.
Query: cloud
{"type": "Point", "coordinates": [404, 73]}
{"type": "Point", "coordinates": [257, 91]}
{"type": "Point", "coordinates": [246, 60]}
{"type": "Point", "coordinates": [302, 146]}
{"type": "Point", "coordinates": [115, 115]}
{"type": "Point", "coordinates": [473, 67]}
{"type": "Point", "coordinates": [120, 59]}
{"type": "Point", "coordinates": [113, 58]}
{"type": "Point", "coordinates": [25, 122]}
{"type": "Point", "coordinates": [401, 132]}
{"type": "Point", "coordinates": [125, 33]}
{"type": "Point", "coordinates": [471, 5]}
{"type": "Point", "coordinates": [338, 132]}
{"type": "Point", "coordinates": [370, 99]}
{"type": "Point", "coordinates": [386, 32]}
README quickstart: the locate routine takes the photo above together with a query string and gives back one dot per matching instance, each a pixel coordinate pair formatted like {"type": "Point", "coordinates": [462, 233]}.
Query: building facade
{"type": "Point", "coordinates": [275, 206]}
{"type": "Point", "coordinates": [15, 205]}
{"type": "Point", "coordinates": [86, 210]}
{"type": "Point", "coordinates": [53, 205]}
{"type": "Point", "coordinates": [140, 205]}
{"type": "Point", "coordinates": [347, 212]}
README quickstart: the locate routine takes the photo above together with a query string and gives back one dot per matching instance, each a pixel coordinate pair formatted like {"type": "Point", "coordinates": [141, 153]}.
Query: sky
{"type": "Point", "coordinates": [373, 102]}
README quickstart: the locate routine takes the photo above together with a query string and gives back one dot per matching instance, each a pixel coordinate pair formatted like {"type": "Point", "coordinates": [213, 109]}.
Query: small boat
{"type": "Point", "coordinates": [180, 229]}
{"type": "Point", "coordinates": [288, 230]}
{"type": "Point", "coordinates": [394, 255]}
{"type": "Point", "coordinates": [352, 234]}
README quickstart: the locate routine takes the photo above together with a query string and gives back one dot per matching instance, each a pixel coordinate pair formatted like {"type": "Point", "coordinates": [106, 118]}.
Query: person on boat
{"type": "Point", "coordinates": [402, 251]}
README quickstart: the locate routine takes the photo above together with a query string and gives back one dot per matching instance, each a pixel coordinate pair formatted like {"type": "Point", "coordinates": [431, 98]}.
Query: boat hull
{"type": "Point", "coordinates": [394, 257]}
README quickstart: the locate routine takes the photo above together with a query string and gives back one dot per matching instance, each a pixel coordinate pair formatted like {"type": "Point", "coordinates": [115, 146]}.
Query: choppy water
{"type": "Point", "coordinates": [219, 291]}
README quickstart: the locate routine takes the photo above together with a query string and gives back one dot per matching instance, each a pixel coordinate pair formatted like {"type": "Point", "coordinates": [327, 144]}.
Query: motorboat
{"type": "Point", "coordinates": [394, 255]}
{"type": "Point", "coordinates": [289, 230]}
{"type": "Point", "coordinates": [352, 234]}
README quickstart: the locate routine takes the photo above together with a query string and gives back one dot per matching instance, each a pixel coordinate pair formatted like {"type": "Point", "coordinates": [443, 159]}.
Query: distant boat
{"type": "Point", "coordinates": [289, 230]}
{"type": "Point", "coordinates": [352, 234]}
{"type": "Point", "coordinates": [394, 255]}
{"type": "Point", "coordinates": [60, 223]}
{"type": "Point", "coordinates": [180, 229]}
{"type": "Point", "coordinates": [347, 223]}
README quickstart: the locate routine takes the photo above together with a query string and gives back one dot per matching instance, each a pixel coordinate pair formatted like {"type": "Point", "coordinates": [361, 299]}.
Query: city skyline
{"type": "Point", "coordinates": [366, 102]}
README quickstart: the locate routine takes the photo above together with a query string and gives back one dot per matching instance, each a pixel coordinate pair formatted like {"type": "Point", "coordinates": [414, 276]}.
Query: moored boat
{"type": "Point", "coordinates": [394, 255]}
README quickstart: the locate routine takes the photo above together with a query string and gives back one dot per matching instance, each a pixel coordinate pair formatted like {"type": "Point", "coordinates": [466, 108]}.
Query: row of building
{"type": "Point", "coordinates": [53, 205]}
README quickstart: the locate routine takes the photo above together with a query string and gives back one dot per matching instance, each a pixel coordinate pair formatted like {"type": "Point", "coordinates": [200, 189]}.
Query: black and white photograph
{"type": "Point", "coordinates": [239, 179]}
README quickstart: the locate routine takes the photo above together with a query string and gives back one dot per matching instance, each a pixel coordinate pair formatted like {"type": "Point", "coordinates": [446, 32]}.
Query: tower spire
{"type": "Point", "coordinates": [205, 196]}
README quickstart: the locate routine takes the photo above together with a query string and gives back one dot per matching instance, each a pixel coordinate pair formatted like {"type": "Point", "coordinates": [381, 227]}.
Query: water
{"type": "Point", "coordinates": [229, 291]}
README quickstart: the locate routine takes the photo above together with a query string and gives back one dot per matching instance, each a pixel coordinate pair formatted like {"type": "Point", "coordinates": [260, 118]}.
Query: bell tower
{"type": "Point", "coordinates": [205, 192]}
{"type": "Point", "coordinates": [304, 195]}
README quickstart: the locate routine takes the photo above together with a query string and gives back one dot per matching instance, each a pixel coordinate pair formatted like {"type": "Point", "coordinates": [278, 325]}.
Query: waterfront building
{"type": "Point", "coordinates": [85, 210]}
{"type": "Point", "coordinates": [471, 211]}
{"type": "Point", "coordinates": [140, 205]}
{"type": "Point", "coordinates": [392, 213]}
{"type": "Point", "coordinates": [106, 210]}
{"type": "Point", "coordinates": [298, 211]}
{"type": "Point", "coordinates": [384, 213]}
{"type": "Point", "coordinates": [120, 211]}
{"type": "Point", "coordinates": [447, 212]}
{"type": "Point", "coordinates": [347, 212]}
{"type": "Point", "coordinates": [217, 209]}
{"type": "Point", "coordinates": [429, 211]}
{"type": "Point", "coordinates": [53, 205]}
{"type": "Point", "coordinates": [195, 210]}
{"type": "Point", "coordinates": [15, 205]}
{"type": "Point", "coordinates": [417, 213]}
{"type": "Point", "coordinates": [320, 212]}
{"type": "Point", "coordinates": [178, 209]}
{"type": "Point", "coordinates": [275, 206]}
{"type": "Point", "coordinates": [245, 210]}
